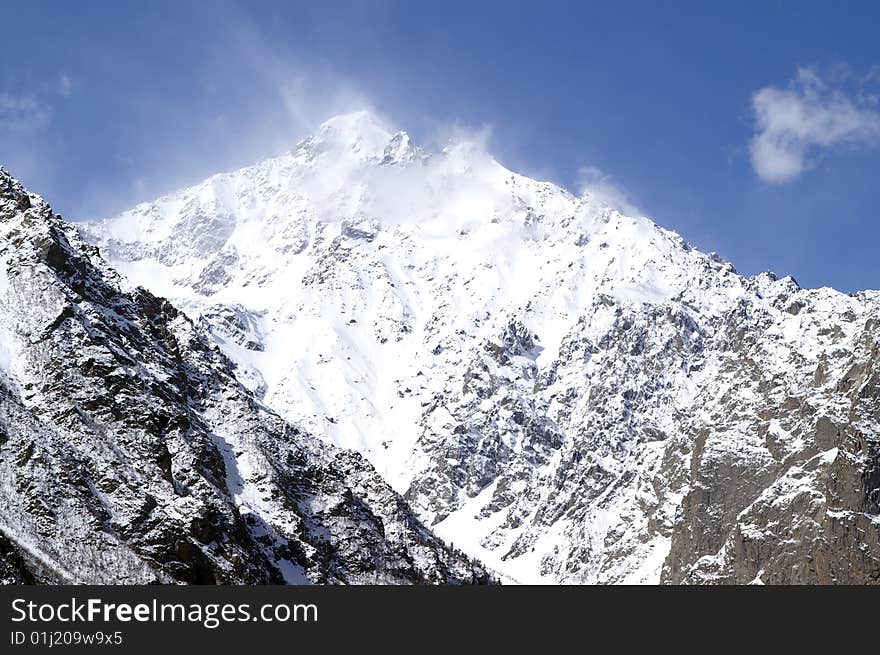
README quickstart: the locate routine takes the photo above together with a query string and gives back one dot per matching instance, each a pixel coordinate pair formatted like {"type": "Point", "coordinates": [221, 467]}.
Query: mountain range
{"type": "Point", "coordinates": [363, 361]}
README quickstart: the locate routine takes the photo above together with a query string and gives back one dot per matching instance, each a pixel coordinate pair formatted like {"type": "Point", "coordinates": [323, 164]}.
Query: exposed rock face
{"type": "Point", "coordinates": [794, 499]}
{"type": "Point", "coordinates": [565, 392]}
{"type": "Point", "coordinates": [129, 452]}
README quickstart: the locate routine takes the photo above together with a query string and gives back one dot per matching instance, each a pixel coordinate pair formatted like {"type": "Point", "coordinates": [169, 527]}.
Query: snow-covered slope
{"type": "Point", "coordinates": [130, 453]}
{"type": "Point", "coordinates": [565, 392]}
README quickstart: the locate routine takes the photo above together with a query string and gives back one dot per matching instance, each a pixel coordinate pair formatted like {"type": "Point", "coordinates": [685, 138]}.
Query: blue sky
{"type": "Point", "coordinates": [753, 128]}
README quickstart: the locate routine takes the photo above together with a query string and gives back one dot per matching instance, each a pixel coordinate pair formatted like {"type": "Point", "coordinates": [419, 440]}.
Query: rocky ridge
{"type": "Point", "coordinates": [129, 452]}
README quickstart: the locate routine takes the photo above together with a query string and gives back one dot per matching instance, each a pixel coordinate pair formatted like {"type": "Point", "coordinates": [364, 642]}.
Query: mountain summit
{"type": "Point", "coordinates": [565, 392]}
{"type": "Point", "coordinates": [360, 132]}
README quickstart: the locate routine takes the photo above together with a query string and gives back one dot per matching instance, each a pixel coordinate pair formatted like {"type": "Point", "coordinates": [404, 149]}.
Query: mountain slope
{"type": "Point", "coordinates": [566, 393]}
{"type": "Point", "coordinates": [129, 453]}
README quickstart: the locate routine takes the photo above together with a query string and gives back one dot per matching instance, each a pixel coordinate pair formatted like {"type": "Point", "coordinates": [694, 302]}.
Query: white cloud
{"type": "Point", "coordinates": [310, 99]}
{"type": "Point", "coordinates": [22, 113]}
{"type": "Point", "coordinates": [28, 112]}
{"type": "Point", "coordinates": [65, 85]}
{"type": "Point", "coordinates": [799, 122]}
{"type": "Point", "coordinates": [601, 186]}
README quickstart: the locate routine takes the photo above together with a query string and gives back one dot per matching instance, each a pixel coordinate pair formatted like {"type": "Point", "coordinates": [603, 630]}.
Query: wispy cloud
{"type": "Point", "coordinates": [22, 113]}
{"type": "Point", "coordinates": [310, 100]}
{"type": "Point", "coordinates": [601, 186]}
{"type": "Point", "coordinates": [794, 125]}
{"type": "Point", "coordinates": [29, 112]}
{"type": "Point", "coordinates": [65, 85]}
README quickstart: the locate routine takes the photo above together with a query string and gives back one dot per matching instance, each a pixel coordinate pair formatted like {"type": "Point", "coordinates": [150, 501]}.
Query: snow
{"type": "Point", "coordinates": [374, 274]}
{"type": "Point", "coordinates": [457, 241]}
{"type": "Point", "coordinates": [451, 243]}
{"type": "Point", "coordinates": [4, 277]}
{"type": "Point", "coordinates": [460, 531]}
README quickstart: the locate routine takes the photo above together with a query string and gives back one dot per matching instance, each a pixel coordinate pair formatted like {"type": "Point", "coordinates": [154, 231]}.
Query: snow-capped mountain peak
{"type": "Point", "coordinates": [550, 382]}
{"type": "Point", "coordinates": [362, 137]}
{"type": "Point", "coordinates": [356, 127]}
